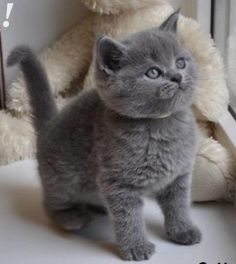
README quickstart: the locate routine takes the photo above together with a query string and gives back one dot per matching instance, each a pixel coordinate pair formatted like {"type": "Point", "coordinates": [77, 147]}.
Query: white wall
{"type": "Point", "coordinates": [188, 7]}
{"type": "Point", "coordinates": [197, 9]}
{"type": "Point", "coordinates": [37, 23]}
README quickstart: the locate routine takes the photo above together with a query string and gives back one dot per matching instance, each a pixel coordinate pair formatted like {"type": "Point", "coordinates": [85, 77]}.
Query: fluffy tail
{"type": "Point", "coordinates": [40, 95]}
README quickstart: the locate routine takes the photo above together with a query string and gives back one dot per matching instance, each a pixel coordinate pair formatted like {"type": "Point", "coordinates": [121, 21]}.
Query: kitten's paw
{"type": "Point", "coordinates": [138, 252]}
{"type": "Point", "coordinates": [189, 236]}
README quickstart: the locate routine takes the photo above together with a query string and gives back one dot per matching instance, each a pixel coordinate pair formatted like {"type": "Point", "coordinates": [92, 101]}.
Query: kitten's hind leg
{"type": "Point", "coordinates": [72, 218]}
{"type": "Point", "coordinates": [72, 212]}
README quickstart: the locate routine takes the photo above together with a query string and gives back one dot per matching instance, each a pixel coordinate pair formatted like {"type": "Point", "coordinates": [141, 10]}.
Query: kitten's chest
{"type": "Point", "coordinates": [159, 157]}
{"type": "Point", "coordinates": [146, 155]}
{"type": "Point", "coordinates": [156, 155]}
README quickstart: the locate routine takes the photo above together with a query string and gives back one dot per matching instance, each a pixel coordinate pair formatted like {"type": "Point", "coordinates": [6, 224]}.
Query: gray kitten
{"type": "Point", "coordinates": [134, 135]}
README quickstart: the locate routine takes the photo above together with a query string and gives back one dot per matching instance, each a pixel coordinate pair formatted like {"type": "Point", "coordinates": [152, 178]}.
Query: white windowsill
{"type": "Point", "coordinates": [27, 236]}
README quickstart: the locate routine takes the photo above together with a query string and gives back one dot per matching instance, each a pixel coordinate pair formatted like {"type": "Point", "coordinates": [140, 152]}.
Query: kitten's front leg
{"type": "Point", "coordinates": [175, 204]}
{"type": "Point", "coordinates": [125, 209]}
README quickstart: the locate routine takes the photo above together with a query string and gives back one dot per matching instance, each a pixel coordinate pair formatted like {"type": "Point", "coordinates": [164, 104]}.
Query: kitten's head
{"type": "Point", "coordinates": [147, 75]}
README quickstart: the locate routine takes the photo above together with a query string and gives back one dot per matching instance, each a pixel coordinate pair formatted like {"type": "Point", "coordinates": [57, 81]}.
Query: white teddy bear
{"type": "Point", "coordinates": [69, 64]}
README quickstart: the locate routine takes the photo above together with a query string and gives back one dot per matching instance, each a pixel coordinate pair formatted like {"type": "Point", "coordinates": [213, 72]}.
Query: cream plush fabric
{"type": "Point", "coordinates": [69, 63]}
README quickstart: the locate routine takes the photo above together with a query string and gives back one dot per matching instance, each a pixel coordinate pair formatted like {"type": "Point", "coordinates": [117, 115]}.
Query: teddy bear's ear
{"type": "Point", "coordinates": [110, 54]}
{"type": "Point", "coordinates": [170, 24]}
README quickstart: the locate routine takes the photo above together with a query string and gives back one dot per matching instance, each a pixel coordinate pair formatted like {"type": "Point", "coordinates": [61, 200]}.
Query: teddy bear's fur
{"type": "Point", "coordinates": [69, 64]}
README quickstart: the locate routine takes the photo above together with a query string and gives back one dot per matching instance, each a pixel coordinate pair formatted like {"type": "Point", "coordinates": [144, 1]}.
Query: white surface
{"type": "Point", "coordinates": [26, 235]}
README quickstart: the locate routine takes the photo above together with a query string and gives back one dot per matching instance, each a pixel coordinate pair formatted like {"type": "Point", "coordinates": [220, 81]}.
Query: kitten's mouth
{"type": "Point", "coordinates": [167, 92]}
{"type": "Point", "coordinates": [183, 87]}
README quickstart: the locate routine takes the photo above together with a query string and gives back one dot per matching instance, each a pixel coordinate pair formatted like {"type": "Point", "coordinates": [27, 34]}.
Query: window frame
{"type": "Point", "coordinates": [2, 82]}
{"type": "Point", "coordinates": [223, 18]}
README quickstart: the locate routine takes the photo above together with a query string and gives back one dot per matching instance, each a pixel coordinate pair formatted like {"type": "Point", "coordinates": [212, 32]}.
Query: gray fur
{"type": "Point", "coordinates": [37, 83]}
{"type": "Point", "coordinates": [130, 137]}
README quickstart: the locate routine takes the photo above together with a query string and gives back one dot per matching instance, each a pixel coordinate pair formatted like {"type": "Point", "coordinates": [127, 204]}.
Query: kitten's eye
{"type": "Point", "coordinates": [153, 73]}
{"type": "Point", "coordinates": [180, 63]}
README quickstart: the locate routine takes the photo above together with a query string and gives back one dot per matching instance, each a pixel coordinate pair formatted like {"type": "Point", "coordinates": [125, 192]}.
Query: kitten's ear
{"type": "Point", "coordinates": [170, 24]}
{"type": "Point", "coordinates": [110, 54]}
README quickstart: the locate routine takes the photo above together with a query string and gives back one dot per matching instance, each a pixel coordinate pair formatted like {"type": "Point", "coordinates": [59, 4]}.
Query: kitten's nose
{"type": "Point", "coordinates": [177, 78]}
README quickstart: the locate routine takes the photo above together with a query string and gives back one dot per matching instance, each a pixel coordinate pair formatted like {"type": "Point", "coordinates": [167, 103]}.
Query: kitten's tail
{"type": "Point", "coordinates": [40, 95]}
